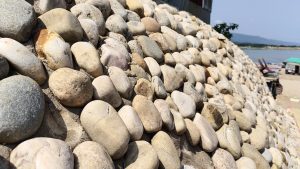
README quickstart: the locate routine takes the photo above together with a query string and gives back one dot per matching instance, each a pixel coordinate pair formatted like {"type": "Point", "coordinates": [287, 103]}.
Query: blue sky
{"type": "Point", "coordinates": [272, 19]}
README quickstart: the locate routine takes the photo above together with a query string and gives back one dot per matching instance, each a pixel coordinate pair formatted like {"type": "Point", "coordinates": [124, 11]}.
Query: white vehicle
{"type": "Point", "coordinates": [290, 68]}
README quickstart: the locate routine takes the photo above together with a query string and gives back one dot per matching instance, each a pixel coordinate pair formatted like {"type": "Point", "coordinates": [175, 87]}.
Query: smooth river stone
{"type": "Point", "coordinates": [185, 104]}
{"type": "Point", "coordinates": [150, 48]}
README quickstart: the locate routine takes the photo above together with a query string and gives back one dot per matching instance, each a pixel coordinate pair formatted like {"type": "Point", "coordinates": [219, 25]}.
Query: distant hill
{"type": "Point", "coordinates": [243, 39]}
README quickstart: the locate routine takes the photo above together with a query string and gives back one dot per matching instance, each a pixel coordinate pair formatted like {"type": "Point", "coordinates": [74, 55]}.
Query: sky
{"type": "Point", "coordinates": [273, 19]}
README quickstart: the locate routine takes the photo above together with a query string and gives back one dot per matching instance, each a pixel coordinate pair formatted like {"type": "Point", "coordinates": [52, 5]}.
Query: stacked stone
{"type": "Point", "coordinates": [131, 84]}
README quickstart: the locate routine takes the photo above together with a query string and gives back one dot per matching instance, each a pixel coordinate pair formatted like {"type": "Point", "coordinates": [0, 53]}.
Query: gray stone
{"type": "Point", "coordinates": [117, 8]}
{"type": "Point", "coordinates": [102, 5]}
{"type": "Point", "coordinates": [132, 122]}
{"type": "Point", "coordinates": [223, 160]}
{"type": "Point", "coordinates": [161, 41]}
{"type": "Point", "coordinates": [135, 48]}
{"type": "Point", "coordinates": [166, 150]}
{"type": "Point", "coordinates": [28, 65]}
{"type": "Point", "coordinates": [103, 124]}
{"type": "Point", "coordinates": [64, 23]}
{"type": "Point", "coordinates": [132, 16]}
{"type": "Point", "coordinates": [150, 116]}
{"type": "Point", "coordinates": [27, 115]}
{"type": "Point", "coordinates": [105, 90]}
{"type": "Point", "coordinates": [87, 11]}
{"type": "Point", "coordinates": [185, 104]}
{"type": "Point", "coordinates": [92, 155]}
{"type": "Point", "coordinates": [192, 132]}
{"type": "Point", "coordinates": [150, 48]}
{"type": "Point", "coordinates": [120, 81]}
{"type": "Point", "coordinates": [165, 113]}
{"type": "Point", "coordinates": [36, 153]}
{"type": "Point", "coordinates": [141, 154]}
{"type": "Point", "coordinates": [4, 68]}
{"type": "Point", "coordinates": [113, 57]}
{"type": "Point", "coordinates": [136, 28]}
{"type": "Point", "coordinates": [90, 30]}
{"type": "Point", "coordinates": [43, 6]}
{"type": "Point", "coordinates": [115, 23]}
{"type": "Point", "coordinates": [71, 87]}
{"type": "Point", "coordinates": [161, 17]}
{"type": "Point", "coordinates": [159, 88]}
{"type": "Point", "coordinates": [153, 66]}
{"type": "Point", "coordinates": [180, 126]}
{"type": "Point", "coordinates": [87, 58]}
{"type": "Point", "coordinates": [17, 19]}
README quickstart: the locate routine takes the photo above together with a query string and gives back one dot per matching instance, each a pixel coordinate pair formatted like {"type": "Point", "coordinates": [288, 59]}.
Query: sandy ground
{"type": "Point", "coordinates": [290, 97]}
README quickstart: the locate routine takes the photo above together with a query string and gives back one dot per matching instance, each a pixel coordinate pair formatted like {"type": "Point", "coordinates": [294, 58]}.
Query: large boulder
{"type": "Point", "coordinates": [23, 60]}
{"type": "Point", "coordinates": [92, 155]}
{"type": "Point", "coordinates": [166, 150]}
{"type": "Point", "coordinates": [17, 19]}
{"type": "Point", "coordinates": [64, 23]}
{"type": "Point", "coordinates": [22, 121]}
{"type": "Point", "coordinates": [42, 152]}
{"type": "Point", "coordinates": [71, 87]}
{"type": "Point", "coordinates": [148, 113]}
{"type": "Point", "coordinates": [103, 124]}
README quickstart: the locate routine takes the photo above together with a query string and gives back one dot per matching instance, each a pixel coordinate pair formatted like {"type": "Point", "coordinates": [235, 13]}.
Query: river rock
{"type": "Point", "coordinates": [148, 113]}
{"type": "Point", "coordinates": [277, 157]}
{"type": "Point", "coordinates": [132, 122]}
{"type": "Point", "coordinates": [151, 24]}
{"type": "Point", "coordinates": [259, 137]}
{"type": "Point", "coordinates": [136, 28]}
{"type": "Point", "coordinates": [17, 19]}
{"type": "Point", "coordinates": [133, 16]}
{"type": "Point", "coordinates": [223, 160]}
{"type": "Point", "coordinates": [224, 87]}
{"type": "Point", "coordinates": [113, 57]}
{"type": "Point", "coordinates": [144, 87]}
{"type": "Point", "coordinates": [209, 138]}
{"type": "Point", "coordinates": [161, 41]}
{"type": "Point", "coordinates": [74, 91]}
{"type": "Point", "coordinates": [165, 113]}
{"type": "Point", "coordinates": [64, 23]}
{"type": "Point", "coordinates": [150, 48]}
{"type": "Point", "coordinates": [29, 65]}
{"type": "Point", "coordinates": [87, 58]}
{"type": "Point", "coordinates": [159, 88]}
{"type": "Point", "coordinates": [115, 23]}
{"type": "Point", "coordinates": [251, 152]}
{"type": "Point", "coordinates": [153, 66]}
{"type": "Point", "coordinates": [213, 116]}
{"type": "Point", "coordinates": [192, 132]}
{"type": "Point", "coordinates": [52, 48]}
{"type": "Point", "coordinates": [87, 11]}
{"type": "Point", "coordinates": [42, 152]}
{"type": "Point", "coordinates": [103, 124]}
{"type": "Point", "coordinates": [120, 81]}
{"type": "Point", "coordinates": [171, 79]}
{"type": "Point", "coordinates": [198, 72]}
{"type": "Point", "coordinates": [27, 116]}
{"type": "Point", "coordinates": [43, 6]}
{"type": "Point", "coordinates": [179, 123]}
{"type": "Point", "coordinates": [4, 68]}
{"type": "Point", "coordinates": [187, 28]}
{"type": "Point", "coordinates": [141, 154]}
{"type": "Point", "coordinates": [136, 6]}
{"type": "Point", "coordinates": [185, 104]}
{"type": "Point", "coordinates": [92, 155]}
{"type": "Point", "coordinates": [90, 30]}
{"type": "Point", "coordinates": [166, 150]}
{"type": "Point", "coordinates": [118, 8]}
{"type": "Point", "coordinates": [105, 90]}
{"type": "Point", "coordinates": [245, 163]}
{"type": "Point", "coordinates": [242, 121]}
{"type": "Point", "coordinates": [102, 5]}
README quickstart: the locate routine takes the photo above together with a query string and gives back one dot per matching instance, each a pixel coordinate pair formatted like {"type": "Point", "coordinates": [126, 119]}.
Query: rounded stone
{"type": "Point", "coordinates": [141, 154]}
{"type": "Point", "coordinates": [105, 90]}
{"type": "Point", "coordinates": [161, 41]}
{"type": "Point", "coordinates": [87, 58]}
{"type": "Point", "coordinates": [245, 163]}
{"type": "Point", "coordinates": [114, 57]}
{"type": "Point", "coordinates": [72, 88]}
{"type": "Point", "coordinates": [166, 150]}
{"type": "Point", "coordinates": [185, 104]}
{"type": "Point", "coordinates": [87, 11]}
{"type": "Point", "coordinates": [90, 30]}
{"type": "Point", "coordinates": [179, 123]}
{"type": "Point", "coordinates": [64, 23]}
{"type": "Point", "coordinates": [159, 88]}
{"type": "Point", "coordinates": [222, 159]}
{"type": "Point", "coordinates": [103, 124]}
{"type": "Point", "coordinates": [277, 157]}
{"type": "Point", "coordinates": [148, 113]}
{"type": "Point", "coordinates": [151, 24]}
{"type": "Point", "coordinates": [23, 60]}
{"type": "Point", "coordinates": [52, 48]}
{"type": "Point", "coordinates": [42, 152]}
{"type": "Point", "coordinates": [166, 116]}
{"type": "Point", "coordinates": [259, 138]}
{"type": "Point", "coordinates": [115, 23]}
{"type": "Point", "coordinates": [118, 8]}
{"type": "Point", "coordinates": [42, 6]}
{"type": "Point", "coordinates": [144, 87]}
{"type": "Point", "coordinates": [92, 155]}
{"type": "Point", "coordinates": [171, 79]}
{"type": "Point", "coordinates": [137, 59]}
{"type": "Point", "coordinates": [192, 132]}
{"type": "Point", "coordinates": [136, 28]}
{"type": "Point", "coordinates": [251, 152]}
{"type": "Point", "coordinates": [120, 81]}
{"type": "Point", "coordinates": [153, 66]}
{"type": "Point", "coordinates": [4, 68]}
{"type": "Point", "coordinates": [136, 6]}
{"type": "Point", "coordinates": [132, 122]}
{"type": "Point", "coordinates": [102, 5]}
{"type": "Point", "coordinates": [150, 48]}
{"type": "Point", "coordinates": [213, 116]}
{"type": "Point", "coordinates": [209, 138]}
{"type": "Point", "coordinates": [17, 19]}
{"type": "Point", "coordinates": [21, 108]}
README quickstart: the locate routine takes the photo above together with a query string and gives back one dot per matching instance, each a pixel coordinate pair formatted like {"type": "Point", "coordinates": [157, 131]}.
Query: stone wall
{"type": "Point", "coordinates": [131, 84]}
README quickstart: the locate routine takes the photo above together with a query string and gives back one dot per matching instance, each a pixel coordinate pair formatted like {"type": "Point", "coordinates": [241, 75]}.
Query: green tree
{"type": "Point", "coordinates": [225, 28]}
